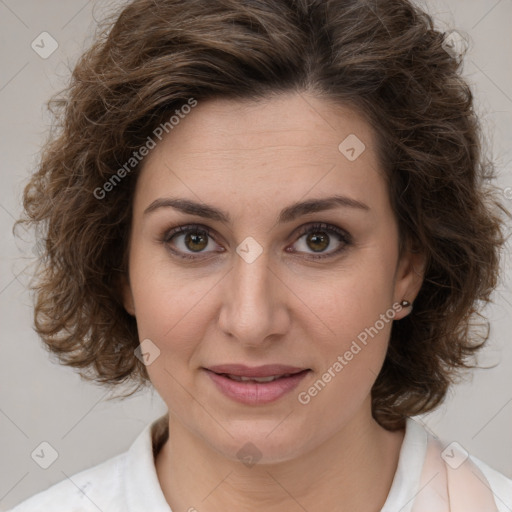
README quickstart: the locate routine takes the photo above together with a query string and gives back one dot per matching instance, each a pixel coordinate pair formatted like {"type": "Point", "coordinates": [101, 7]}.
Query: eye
{"type": "Point", "coordinates": [189, 239]}
{"type": "Point", "coordinates": [318, 237]}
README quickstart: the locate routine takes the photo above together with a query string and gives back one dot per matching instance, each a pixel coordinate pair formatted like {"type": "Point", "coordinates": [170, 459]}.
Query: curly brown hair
{"type": "Point", "coordinates": [383, 58]}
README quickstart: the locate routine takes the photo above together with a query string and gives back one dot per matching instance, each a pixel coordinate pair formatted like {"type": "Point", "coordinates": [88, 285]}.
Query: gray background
{"type": "Point", "coordinates": [42, 401]}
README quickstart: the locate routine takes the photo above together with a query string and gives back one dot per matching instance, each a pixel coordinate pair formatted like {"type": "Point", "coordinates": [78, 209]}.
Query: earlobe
{"type": "Point", "coordinates": [126, 295]}
{"type": "Point", "coordinates": [409, 278]}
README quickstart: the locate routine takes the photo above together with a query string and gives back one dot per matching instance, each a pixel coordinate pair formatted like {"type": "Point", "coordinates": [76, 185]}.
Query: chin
{"type": "Point", "coordinates": [262, 442]}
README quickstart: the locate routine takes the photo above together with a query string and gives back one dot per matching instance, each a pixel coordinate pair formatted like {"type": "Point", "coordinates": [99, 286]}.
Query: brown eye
{"type": "Point", "coordinates": [196, 241]}
{"type": "Point", "coordinates": [183, 241]}
{"type": "Point", "coordinates": [319, 237]}
{"type": "Point", "coordinates": [317, 241]}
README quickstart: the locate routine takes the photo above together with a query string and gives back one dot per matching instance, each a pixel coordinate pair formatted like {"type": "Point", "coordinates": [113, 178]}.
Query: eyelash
{"type": "Point", "coordinates": [345, 238]}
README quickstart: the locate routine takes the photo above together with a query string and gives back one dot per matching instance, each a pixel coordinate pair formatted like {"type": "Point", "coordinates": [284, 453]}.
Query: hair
{"type": "Point", "coordinates": [383, 58]}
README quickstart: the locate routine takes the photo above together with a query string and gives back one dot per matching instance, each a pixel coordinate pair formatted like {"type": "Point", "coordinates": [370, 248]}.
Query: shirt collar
{"type": "Point", "coordinates": [404, 487]}
{"type": "Point", "coordinates": [142, 487]}
{"type": "Point", "coordinates": [143, 491]}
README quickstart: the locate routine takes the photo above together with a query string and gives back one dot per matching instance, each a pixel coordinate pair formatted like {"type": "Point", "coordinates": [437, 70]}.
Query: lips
{"type": "Point", "coordinates": [240, 378]}
{"type": "Point", "coordinates": [258, 372]}
{"type": "Point", "coordinates": [255, 385]}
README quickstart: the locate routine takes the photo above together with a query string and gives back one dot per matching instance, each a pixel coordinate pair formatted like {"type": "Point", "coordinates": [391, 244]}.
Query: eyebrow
{"type": "Point", "coordinates": [288, 214]}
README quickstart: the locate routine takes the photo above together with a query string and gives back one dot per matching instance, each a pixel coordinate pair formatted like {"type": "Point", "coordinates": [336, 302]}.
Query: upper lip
{"type": "Point", "coordinates": [267, 370]}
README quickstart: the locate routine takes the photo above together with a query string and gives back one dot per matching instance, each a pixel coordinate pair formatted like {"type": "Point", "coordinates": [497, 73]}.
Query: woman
{"type": "Point", "coordinates": [276, 213]}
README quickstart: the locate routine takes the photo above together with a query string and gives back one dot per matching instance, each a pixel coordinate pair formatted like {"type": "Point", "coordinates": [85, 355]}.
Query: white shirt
{"type": "Point", "coordinates": [129, 483]}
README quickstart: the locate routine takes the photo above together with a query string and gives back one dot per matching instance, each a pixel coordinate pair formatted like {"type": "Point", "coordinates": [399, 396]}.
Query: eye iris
{"type": "Point", "coordinates": [318, 237]}
{"type": "Point", "coordinates": [196, 238]}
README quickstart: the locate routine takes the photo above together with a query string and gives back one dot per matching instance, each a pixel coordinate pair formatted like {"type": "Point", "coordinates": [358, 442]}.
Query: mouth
{"type": "Point", "coordinates": [256, 385]}
{"type": "Point", "coordinates": [271, 378]}
{"type": "Point", "coordinates": [259, 372]}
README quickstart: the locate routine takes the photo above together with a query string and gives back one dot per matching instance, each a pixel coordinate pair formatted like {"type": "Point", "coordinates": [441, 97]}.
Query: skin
{"type": "Point", "coordinates": [251, 160]}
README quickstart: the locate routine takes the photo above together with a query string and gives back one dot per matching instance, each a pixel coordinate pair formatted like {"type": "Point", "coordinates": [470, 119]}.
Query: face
{"type": "Point", "coordinates": [248, 277]}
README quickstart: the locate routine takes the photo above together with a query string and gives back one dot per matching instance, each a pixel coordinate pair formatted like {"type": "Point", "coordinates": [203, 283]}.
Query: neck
{"type": "Point", "coordinates": [352, 470]}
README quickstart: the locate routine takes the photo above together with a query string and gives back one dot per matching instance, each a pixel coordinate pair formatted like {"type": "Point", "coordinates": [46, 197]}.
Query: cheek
{"type": "Point", "coordinates": [167, 314]}
{"type": "Point", "coordinates": [342, 303]}
{"type": "Point", "coordinates": [168, 303]}
{"type": "Point", "coordinates": [349, 355]}
{"type": "Point", "coordinates": [351, 317]}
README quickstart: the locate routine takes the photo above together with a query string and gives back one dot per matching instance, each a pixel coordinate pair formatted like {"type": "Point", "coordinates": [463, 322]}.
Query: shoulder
{"type": "Point", "coordinates": [501, 485]}
{"type": "Point", "coordinates": [428, 476]}
{"type": "Point", "coordinates": [93, 489]}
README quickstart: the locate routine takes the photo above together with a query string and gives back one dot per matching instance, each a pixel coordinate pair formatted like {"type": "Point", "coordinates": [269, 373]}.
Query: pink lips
{"type": "Point", "coordinates": [251, 392]}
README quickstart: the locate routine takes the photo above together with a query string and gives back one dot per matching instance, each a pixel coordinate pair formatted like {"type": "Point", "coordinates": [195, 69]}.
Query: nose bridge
{"type": "Point", "coordinates": [251, 285]}
{"type": "Point", "coordinates": [249, 306]}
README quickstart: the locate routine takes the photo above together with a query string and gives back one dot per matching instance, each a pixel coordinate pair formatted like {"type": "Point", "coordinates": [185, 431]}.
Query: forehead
{"type": "Point", "coordinates": [287, 145]}
{"type": "Point", "coordinates": [296, 119]}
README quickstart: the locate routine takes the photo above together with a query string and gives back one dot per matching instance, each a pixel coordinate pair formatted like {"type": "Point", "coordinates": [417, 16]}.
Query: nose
{"type": "Point", "coordinates": [255, 309]}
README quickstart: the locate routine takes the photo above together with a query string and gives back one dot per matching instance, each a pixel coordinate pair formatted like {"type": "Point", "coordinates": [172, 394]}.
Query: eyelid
{"type": "Point", "coordinates": [185, 228]}
{"type": "Point", "coordinates": [311, 226]}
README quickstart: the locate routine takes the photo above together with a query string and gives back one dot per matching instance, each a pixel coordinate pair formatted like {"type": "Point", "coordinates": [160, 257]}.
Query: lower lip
{"type": "Point", "coordinates": [256, 393]}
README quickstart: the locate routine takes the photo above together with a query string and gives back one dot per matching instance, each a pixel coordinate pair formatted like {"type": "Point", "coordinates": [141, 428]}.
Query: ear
{"type": "Point", "coordinates": [409, 277]}
{"type": "Point", "coordinates": [126, 294]}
